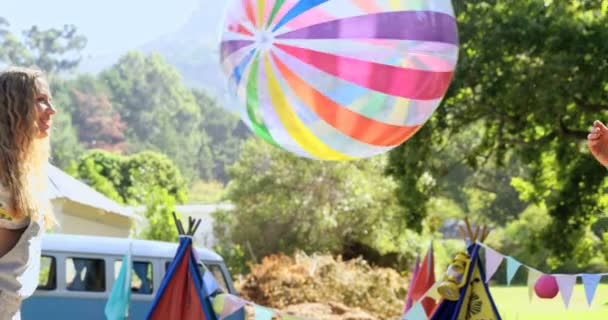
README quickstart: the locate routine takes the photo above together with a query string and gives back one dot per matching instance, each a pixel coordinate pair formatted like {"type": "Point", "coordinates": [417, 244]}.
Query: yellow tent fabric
{"type": "Point", "coordinates": [475, 301]}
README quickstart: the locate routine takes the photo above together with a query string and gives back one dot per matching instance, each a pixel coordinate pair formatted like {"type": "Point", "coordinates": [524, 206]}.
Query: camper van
{"type": "Point", "coordinates": [77, 274]}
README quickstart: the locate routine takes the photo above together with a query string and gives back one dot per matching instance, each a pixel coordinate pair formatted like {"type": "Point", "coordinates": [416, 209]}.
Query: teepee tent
{"type": "Point", "coordinates": [182, 293]}
{"type": "Point", "coordinates": [462, 292]}
{"type": "Point", "coordinates": [474, 300]}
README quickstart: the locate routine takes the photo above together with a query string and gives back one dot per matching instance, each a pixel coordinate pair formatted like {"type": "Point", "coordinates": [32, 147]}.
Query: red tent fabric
{"type": "Point", "coordinates": [424, 280]}
{"type": "Point", "coordinates": [181, 294]}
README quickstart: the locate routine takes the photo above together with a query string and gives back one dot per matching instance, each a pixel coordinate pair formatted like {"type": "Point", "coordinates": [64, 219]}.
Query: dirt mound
{"type": "Point", "coordinates": [317, 286]}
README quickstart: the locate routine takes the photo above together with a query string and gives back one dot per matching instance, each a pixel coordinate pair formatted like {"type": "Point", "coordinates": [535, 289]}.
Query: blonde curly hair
{"type": "Point", "coordinates": [23, 155]}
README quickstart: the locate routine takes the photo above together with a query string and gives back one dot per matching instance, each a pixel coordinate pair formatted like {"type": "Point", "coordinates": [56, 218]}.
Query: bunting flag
{"type": "Point", "coordinates": [590, 282]}
{"type": "Point", "coordinates": [117, 307]}
{"type": "Point", "coordinates": [218, 303]}
{"type": "Point", "coordinates": [262, 313]}
{"type": "Point", "coordinates": [225, 305]}
{"type": "Point", "coordinates": [433, 293]}
{"type": "Point", "coordinates": [230, 307]}
{"type": "Point", "coordinates": [408, 300]}
{"type": "Point", "coordinates": [512, 267]}
{"type": "Point", "coordinates": [425, 279]}
{"type": "Point", "coordinates": [493, 261]}
{"type": "Point", "coordinates": [237, 315]}
{"type": "Point", "coordinates": [415, 313]}
{"type": "Point", "coordinates": [533, 276]}
{"type": "Point", "coordinates": [565, 282]}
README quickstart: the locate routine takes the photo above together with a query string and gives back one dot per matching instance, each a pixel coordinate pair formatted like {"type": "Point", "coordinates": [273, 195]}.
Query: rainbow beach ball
{"type": "Point", "coordinates": [338, 79]}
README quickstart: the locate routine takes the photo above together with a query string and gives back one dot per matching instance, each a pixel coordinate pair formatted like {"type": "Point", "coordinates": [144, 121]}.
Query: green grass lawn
{"type": "Point", "coordinates": [513, 304]}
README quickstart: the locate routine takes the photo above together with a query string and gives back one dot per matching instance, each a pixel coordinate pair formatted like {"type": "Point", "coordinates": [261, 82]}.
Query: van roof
{"type": "Point", "coordinates": [117, 246]}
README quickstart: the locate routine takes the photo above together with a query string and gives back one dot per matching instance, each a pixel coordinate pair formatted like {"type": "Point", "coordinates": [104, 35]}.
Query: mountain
{"type": "Point", "coordinates": [193, 48]}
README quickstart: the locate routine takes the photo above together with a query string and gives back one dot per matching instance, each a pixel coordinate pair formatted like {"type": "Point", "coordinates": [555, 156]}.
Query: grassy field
{"type": "Point", "coordinates": [513, 304]}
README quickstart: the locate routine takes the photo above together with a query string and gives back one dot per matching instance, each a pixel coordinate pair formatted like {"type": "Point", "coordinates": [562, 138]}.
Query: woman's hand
{"type": "Point", "coordinates": [598, 142]}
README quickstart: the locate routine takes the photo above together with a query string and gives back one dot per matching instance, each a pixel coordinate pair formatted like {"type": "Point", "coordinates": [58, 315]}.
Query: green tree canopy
{"type": "Point", "coordinates": [160, 112]}
{"type": "Point", "coordinates": [226, 133]}
{"type": "Point", "coordinates": [52, 50]}
{"type": "Point", "coordinates": [285, 203]}
{"type": "Point", "coordinates": [534, 75]}
{"type": "Point", "coordinates": [145, 179]}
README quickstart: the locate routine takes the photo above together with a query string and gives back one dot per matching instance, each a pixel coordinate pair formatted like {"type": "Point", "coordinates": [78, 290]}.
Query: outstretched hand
{"type": "Point", "coordinates": [598, 142]}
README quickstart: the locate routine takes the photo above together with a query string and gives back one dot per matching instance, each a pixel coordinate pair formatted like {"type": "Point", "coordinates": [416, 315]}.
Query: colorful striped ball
{"type": "Point", "coordinates": [338, 79]}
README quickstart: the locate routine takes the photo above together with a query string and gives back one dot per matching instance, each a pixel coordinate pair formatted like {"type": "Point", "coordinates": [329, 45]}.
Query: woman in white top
{"type": "Point", "coordinates": [25, 211]}
{"type": "Point", "coordinates": [598, 142]}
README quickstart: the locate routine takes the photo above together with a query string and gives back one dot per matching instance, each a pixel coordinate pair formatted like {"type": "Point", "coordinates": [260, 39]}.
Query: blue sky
{"type": "Point", "coordinates": [110, 25]}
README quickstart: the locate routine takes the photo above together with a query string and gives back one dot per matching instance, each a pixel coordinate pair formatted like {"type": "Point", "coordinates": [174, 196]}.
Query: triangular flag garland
{"type": "Point", "coordinates": [565, 282]}
{"type": "Point", "coordinates": [533, 276]}
{"type": "Point", "coordinates": [493, 261]}
{"type": "Point", "coordinates": [237, 315]}
{"type": "Point", "coordinates": [590, 282]}
{"type": "Point", "coordinates": [512, 267]}
{"type": "Point", "coordinates": [415, 313]}
{"type": "Point", "coordinates": [409, 301]}
{"type": "Point", "coordinates": [229, 307]}
{"type": "Point", "coordinates": [232, 305]}
{"type": "Point", "coordinates": [262, 313]}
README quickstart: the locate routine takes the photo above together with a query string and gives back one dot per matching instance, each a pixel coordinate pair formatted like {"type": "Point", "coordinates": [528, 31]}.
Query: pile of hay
{"type": "Point", "coordinates": [323, 287]}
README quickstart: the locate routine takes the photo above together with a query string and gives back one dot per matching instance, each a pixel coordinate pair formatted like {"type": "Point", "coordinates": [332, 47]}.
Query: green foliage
{"type": "Point", "coordinates": [146, 178]}
{"type": "Point", "coordinates": [52, 50]}
{"type": "Point", "coordinates": [285, 203]}
{"type": "Point", "coordinates": [162, 114]}
{"type": "Point", "coordinates": [522, 239]}
{"type": "Point", "coordinates": [531, 78]}
{"type": "Point", "coordinates": [128, 179]}
{"type": "Point", "coordinates": [66, 146]}
{"type": "Point", "coordinates": [225, 135]}
{"type": "Point", "coordinates": [234, 257]}
{"type": "Point", "coordinates": [160, 206]}
{"type": "Point", "coordinates": [206, 192]}
{"type": "Point", "coordinates": [147, 170]}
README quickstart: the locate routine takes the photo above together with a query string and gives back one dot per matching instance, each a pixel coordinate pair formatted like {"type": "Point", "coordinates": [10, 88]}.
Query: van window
{"type": "Point", "coordinates": [47, 279]}
{"type": "Point", "coordinates": [216, 270]}
{"type": "Point", "coordinates": [141, 276]}
{"type": "Point", "coordinates": [85, 274]}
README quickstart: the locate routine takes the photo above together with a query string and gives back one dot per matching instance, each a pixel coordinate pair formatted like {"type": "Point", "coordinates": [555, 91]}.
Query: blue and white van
{"type": "Point", "coordinates": [78, 272]}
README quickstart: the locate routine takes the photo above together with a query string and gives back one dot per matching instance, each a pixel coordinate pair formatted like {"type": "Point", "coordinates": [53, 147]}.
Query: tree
{"type": "Point", "coordinates": [284, 203]}
{"type": "Point", "coordinates": [162, 114]}
{"type": "Point", "coordinates": [66, 146]}
{"type": "Point", "coordinates": [52, 50]}
{"type": "Point", "coordinates": [225, 135]}
{"type": "Point", "coordinates": [99, 126]}
{"type": "Point", "coordinates": [535, 75]}
{"type": "Point", "coordinates": [144, 179]}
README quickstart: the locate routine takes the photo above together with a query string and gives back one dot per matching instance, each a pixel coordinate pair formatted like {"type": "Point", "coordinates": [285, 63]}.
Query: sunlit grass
{"type": "Point", "coordinates": [513, 304]}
